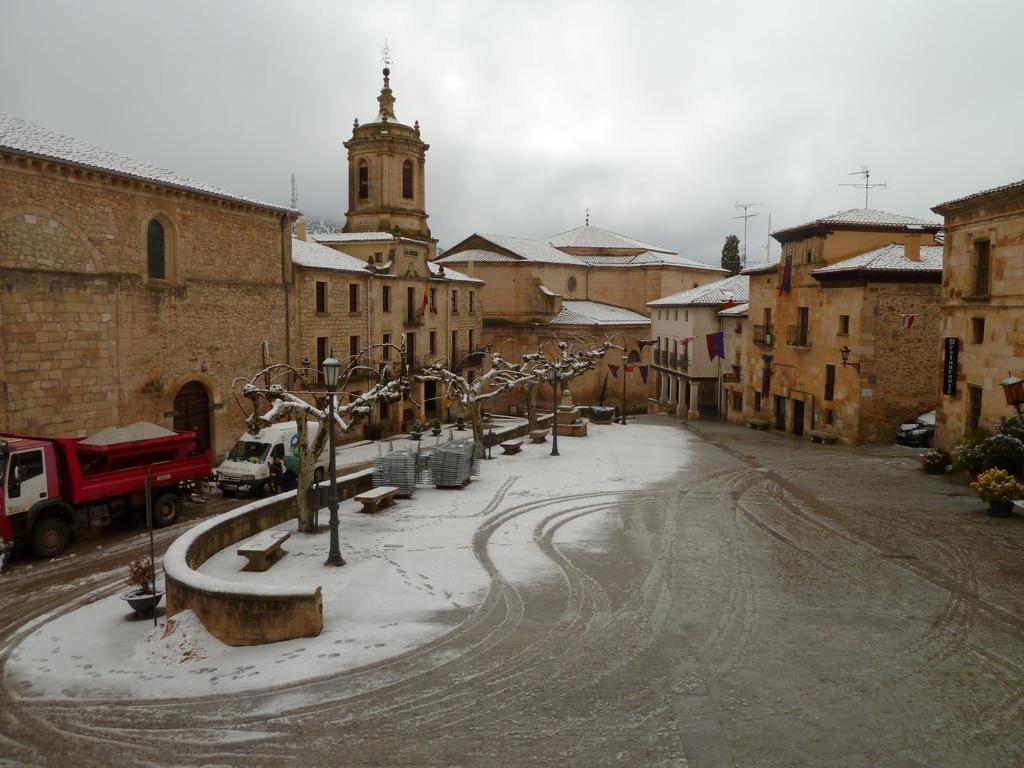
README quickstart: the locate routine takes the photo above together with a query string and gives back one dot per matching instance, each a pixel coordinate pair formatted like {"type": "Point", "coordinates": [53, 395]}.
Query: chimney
{"type": "Point", "coordinates": [912, 246]}
{"type": "Point", "coordinates": [300, 228]}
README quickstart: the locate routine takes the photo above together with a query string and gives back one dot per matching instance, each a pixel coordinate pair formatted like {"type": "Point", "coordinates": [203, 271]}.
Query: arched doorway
{"type": "Point", "coordinates": [192, 412]}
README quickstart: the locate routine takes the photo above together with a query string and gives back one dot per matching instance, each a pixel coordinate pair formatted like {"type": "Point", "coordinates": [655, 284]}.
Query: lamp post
{"type": "Point", "coordinates": [625, 362]}
{"type": "Point", "coordinates": [1013, 389]}
{"type": "Point", "coordinates": [556, 378]}
{"type": "Point", "coordinates": [332, 370]}
{"type": "Point", "coordinates": [845, 352]}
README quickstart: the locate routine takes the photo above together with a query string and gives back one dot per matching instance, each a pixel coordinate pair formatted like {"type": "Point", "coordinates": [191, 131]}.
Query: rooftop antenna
{"type": "Point", "coordinates": [295, 194]}
{"type": "Point", "coordinates": [866, 184]}
{"type": "Point", "coordinates": [385, 53]}
{"type": "Point", "coordinates": [768, 241]}
{"type": "Point", "coordinates": [746, 215]}
{"type": "Point", "coordinates": [587, 221]}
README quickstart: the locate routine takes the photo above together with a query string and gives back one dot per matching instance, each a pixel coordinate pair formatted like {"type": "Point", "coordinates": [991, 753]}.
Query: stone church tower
{"type": "Point", "coordinates": [386, 190]}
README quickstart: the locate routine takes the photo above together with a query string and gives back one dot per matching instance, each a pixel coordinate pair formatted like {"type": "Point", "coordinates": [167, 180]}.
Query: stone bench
{"type": "Point", "coordinates": [512, 446]}
{"type": "Point", "coordinates": [823, 436]}
{"type": "Point", "coordinates": [263, 550]}
{"type": "Point", "coordinates": [377, 498]}
{"type": "Point", "coordinates": [539, 435]}
{"type": "Point", "coordinates": [757, 424]}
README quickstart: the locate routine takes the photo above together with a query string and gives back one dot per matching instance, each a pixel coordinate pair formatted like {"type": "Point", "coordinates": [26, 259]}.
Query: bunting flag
{"type": "Point", "coordinates": [641, 343]}
{"type": "Point", "coordinates": [643, 372]}
{"type": "Point", "coordinates": [786, 281]}
{"type": "Point", "coordinates": [908, 320]}
{"type": "Point", "coordinates": [766, 375]}
{"type": "Point", "coordinates": [716, 345]}
{"type": "Point", "coordinates": [614, 369]}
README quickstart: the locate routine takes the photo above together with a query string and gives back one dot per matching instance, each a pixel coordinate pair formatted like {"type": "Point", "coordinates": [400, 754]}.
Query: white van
{"type": "Point", "coordinates": [247, 467]}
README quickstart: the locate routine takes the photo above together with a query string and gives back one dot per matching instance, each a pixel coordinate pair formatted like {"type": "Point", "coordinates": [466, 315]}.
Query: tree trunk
{"type": "Point", "coordinates": [473, 410]}
{"type": "Point", "coordinates": [531, 405]}
{"type": "Point", "coordinates": [303, 513]}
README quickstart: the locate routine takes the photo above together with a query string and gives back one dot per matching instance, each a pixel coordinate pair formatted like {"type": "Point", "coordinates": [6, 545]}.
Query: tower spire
{"type": "Point", "coordinates": [386, 99]}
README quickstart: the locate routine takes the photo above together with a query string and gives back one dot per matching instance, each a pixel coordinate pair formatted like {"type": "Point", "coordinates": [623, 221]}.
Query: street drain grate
{"type": "Point", "coordinates": [394, 546]}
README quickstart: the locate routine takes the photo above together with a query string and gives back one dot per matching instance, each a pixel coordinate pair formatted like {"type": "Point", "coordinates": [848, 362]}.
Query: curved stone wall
{"type": "Point", "coordinates": [235, 612]}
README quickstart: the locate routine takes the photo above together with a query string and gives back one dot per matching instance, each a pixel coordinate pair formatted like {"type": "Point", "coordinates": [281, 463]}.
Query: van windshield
{"type": "Point", "coordinates": [246, 450]}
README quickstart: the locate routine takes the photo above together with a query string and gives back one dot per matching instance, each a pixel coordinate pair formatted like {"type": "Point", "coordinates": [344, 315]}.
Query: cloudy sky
{"type": "Point", "coordinates": [658, 116]}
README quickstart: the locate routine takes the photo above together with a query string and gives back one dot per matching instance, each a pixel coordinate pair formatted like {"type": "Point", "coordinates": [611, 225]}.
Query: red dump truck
{"type": "Point", "coordinates": [51, 486]}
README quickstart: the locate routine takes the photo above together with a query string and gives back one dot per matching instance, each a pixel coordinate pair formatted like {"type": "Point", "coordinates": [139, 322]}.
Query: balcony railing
{"type": "Point", "coordinates": [659, 356]}
{"type": "Point", "coordinates": [799, 336]}
{"type": "Point", "coordinates": [683, 363]}
{"type": "Point", "coordinates": [764, 335]}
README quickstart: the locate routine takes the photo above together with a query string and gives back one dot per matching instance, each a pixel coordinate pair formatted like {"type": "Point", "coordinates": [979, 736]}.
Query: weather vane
{"type": "Point", "coordinates": [588, 216]}
{"type": "Point", "coordinates": [385, 53]}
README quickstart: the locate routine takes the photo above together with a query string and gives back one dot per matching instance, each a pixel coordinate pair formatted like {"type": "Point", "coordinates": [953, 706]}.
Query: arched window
{"type": "Point", "coordinates": [364, 180]}
{"type": "Point", "coordinates": [407, 180]}
{"type": "Point", "coordinates": [156, 256]}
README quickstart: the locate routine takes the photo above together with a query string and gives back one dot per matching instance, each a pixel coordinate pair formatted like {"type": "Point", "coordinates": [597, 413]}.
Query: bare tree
{"type": "Point", "coordinates": [304, 406]}
{"type": "Point", "coordinates": [502, 377]}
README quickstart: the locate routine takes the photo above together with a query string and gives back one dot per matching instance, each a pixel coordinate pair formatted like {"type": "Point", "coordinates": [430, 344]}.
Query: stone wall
{"type": "Point", "coordinates": [229, 611]}
{"type": "Point", "coordinates": [89, 341]}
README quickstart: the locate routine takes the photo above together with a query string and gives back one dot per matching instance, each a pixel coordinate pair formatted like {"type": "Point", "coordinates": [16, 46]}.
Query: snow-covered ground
{"type": "Point", "coordinates": [414, 572]}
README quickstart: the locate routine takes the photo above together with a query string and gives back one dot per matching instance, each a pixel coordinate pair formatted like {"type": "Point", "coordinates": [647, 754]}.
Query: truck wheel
{"type": "Point", "coordinates": [50, 537]}
{"type": "Point", "coordinates": [166, 509]}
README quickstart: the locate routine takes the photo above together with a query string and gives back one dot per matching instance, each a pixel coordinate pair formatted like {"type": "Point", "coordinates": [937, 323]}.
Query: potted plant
{"type": "Point", "coordinates": [460, 423]}
{"type": "Point", "coordinates": [935, 461]}
{"type": "Point", "coordinates": [417, 430]}
{"type": "Point", "coordinates": [999, 488]}
{"type": "Point", "coordinates": [142, 598]}
{"type": "Point", "coordinates": [435, 428]}
{"type": "Point", "coordinates": [1003, 451]}
{"type": "Point", "coordinates": [969, 454]}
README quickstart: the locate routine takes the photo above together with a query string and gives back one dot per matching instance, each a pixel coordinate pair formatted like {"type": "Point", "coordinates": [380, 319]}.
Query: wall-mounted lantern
{"type": "Point", "coordinates": [845, 352]}
{"type": "Point", "coordinates": [1013, 388]}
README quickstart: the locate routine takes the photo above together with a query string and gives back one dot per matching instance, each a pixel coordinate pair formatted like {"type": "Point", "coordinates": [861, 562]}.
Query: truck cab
{"type": "Point", "coordinates": [31, 494]}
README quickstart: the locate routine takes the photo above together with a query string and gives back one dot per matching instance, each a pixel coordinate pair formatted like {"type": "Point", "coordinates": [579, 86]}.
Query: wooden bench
{"type": "Point", "coordinates": [757, 424]}
{"type": "Point", "coordinates": [823, 436]}
{"type": "Point", "coordinates": [380, 497]}
{"type": "Point", "coordinates": [539, 435]}
{"type": "Point", "coordinates": [263, 550]}
{"type": "Point", "coordinates": [512, 446]}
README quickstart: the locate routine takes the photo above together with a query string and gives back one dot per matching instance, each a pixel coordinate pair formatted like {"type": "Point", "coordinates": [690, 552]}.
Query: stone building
{"type": "Point", "coordinates": [129, 292]}
{"type": "Point", "coordinates": [732, 386]}
{"type": "Point", "coordinates": [982, 300]}
{"type": "Point", "coordinates": [844, 328]}
{"type": "Point", "coordinates": [384, 284]}
{"type": "Point", "coordinates": [687, 379]}
{"type": "Point", "coordinates": [534, 285]}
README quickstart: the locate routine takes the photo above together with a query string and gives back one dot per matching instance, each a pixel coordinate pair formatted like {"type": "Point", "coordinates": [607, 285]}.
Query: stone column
{"type": "Point", "coordinates": [694, 412]}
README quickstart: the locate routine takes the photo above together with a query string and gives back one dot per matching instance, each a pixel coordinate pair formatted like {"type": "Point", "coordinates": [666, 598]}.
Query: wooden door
{"type": "Point", "coordinates": [192, 412]}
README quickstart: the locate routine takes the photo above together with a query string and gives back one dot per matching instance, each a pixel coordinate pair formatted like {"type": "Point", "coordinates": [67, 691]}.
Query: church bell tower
{"type": "Point", "coordinates": [386, 161]}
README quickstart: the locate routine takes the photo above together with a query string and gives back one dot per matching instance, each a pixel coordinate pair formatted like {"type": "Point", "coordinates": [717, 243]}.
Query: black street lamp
{"type": "Point", "coordinates": [556, 379]}
{"type": "Point", "coordinates": [332, 370]}
{"type": "Point", "coordinates": [625, 362]}
{"type": "Point", "coordinates": [845, 352]}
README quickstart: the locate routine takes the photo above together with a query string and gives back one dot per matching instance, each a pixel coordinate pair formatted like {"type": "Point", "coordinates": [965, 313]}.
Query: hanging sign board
{"type": "Point", "coordinates": [950, 361]}
{"type": "Point", "coordinates": [730, 378]}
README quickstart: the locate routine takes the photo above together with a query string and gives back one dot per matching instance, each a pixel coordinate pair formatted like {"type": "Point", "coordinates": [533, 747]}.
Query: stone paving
{"type": "Point", "coordinates": [776, 603]}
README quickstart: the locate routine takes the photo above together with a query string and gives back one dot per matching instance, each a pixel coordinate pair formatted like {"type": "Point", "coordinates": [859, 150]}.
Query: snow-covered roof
{"type": "Point", "coordinates": [595, 237]}
{"type": "Point", "coordinates": [888, 258]}
{"type": "Point", "coordinates": [352, 237]}
{"type": "Point", "coordinates": [861, 217]}
{"type": "Point", "coordinates": [595, 313]}
{"type": "Point", "coordinates": [25, 138]}
{"type": "Point", "coordinates": [451, 274]}
{"type": "Point", "coordinates": [740, 310]}
{"type": "Point", "coordinates": [758, 269]}
{"type": "Point", "coordinates": [1004, 188]}
{"type": "Point", "coordinates": [734, 288]}
{"type": "Point", "coordinates": [543, 252]}
{"type": "Point", "coordinates": [308, 253]}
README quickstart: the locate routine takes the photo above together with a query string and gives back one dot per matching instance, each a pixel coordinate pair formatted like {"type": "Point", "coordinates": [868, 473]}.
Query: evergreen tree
{"type": "Point", "coordinates": [731, 254]}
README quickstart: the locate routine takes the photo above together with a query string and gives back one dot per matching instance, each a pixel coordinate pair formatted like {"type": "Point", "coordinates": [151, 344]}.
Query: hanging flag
{"type": "Point", "coordinates": [908, 320]}
{"type": "Point", "coordinates": [426, 297]}
{"type": "Point", "coordinates": [643, 372]}
{"type": "Point", "coordinates": [786, 281]}
{"type": "Point", "coordinates": [716, 345]}
{"type": "Point", "coordinates": [684, 342]}
{"type": "Point", "coordinates": [766, 380]}
{"type": "Point", "coordinates": [614, 369]}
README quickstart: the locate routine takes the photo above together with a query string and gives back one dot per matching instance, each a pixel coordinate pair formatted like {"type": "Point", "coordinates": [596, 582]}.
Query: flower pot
{"type": "Point", "coordinates": [436, 432]}
{"type": "Point", "coordinates": [143, 603]}
{"type": "Point", "coordinates": [601, 414]}
{"type": "Point", "coordinates": [1002, 508]}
